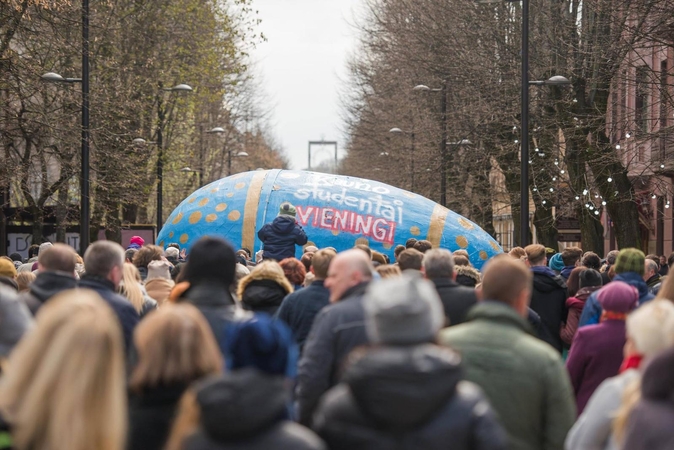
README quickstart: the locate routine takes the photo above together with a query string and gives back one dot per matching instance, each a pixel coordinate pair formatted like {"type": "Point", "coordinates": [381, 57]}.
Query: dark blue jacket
{"type": "Point", "coordinates": [592, 310]}
{"type": "Point", "coordinates": [299, 309]}
{"type": "Point", "coordinates": [280, 237]}
{"type": "Point", "coordinates": [128, 317]}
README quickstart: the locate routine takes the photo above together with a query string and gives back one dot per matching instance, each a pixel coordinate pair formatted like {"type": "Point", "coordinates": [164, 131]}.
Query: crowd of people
{"type": "Point", "coordinates": [153, 348]}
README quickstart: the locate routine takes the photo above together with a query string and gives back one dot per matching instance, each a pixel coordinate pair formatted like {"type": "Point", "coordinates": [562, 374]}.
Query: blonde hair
{"type": "Point", "coordinates": [130, 287]}
{"type": "Point", "coordinates": [175, 345]}
{"type": "Point", "coordinates": [24, 280]}
{"type": "Point", "coordinates": [266, 270]}
{"type": "Point", "coordinates": [388, 271]}
{"type": "Point", "coordinates": [64, 385]}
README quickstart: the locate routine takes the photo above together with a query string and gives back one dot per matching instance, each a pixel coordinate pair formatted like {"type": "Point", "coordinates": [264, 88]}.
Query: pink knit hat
{"type": "Point", "coordinates": [618, 297]}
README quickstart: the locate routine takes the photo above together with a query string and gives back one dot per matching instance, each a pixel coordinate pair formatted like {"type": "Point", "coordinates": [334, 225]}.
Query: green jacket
{"type": "Point", "coordinates": [523, 377]}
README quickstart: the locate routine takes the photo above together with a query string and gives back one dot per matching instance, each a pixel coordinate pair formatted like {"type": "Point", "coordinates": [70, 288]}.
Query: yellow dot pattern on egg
{"type": "Point", "coordinates": [178, 218]}
{"type": "Point", "coordinates": [184, 238]}
{"type": "Point", "coordinates": [461, 241]}
{"type": "Point", "coordinates": [191, 200]}
{"type": "Point", "coordinates": [335, 232]}
{"type": "Point", "coordinates": [214, 190]}
{"type": "Point", "coordinates": [171, 234]}
{"type": "Point", "coordinates": [483, 255]}
{"type": "Point", "coordinates": [239, 185]}
{"type": "Point", "coordinates": [211, 218]}
{"type": "Point", "coordinates": [465, 224]}
{"type": "Point", "coordinates": [230, 195]}
{"type": "Point", "coordinates": [234, 215]}
{"type": "Point", "coordinates": [362, 241]}
{"type": "Point", "coordinates": [195, 217]}
{"type": "Point", "coordinates": [221, 207]}
{"type": "Point", "coordinates": [203, 201]}
{"type": "Point", "coordinates": [387, 246]}
{"type": "Point", "coordinates": [494, 245]}
{"type": "Point", "coordinates": [161, 243]}
{"type": "Point", "coordinates": [415, 230]}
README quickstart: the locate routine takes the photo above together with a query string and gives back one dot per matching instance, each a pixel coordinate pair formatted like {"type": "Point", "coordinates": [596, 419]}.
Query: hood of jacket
{"type": "Point", "coordinates": [585, 292]}
{"type": "Point", "coordinates": [404, 387]}
{"type": "Point", "coordinates": [634, 279]}
{"type": "Point", "coordinates": [468, 271]}
{"type": "Point", "coordinates": [48, 284]}
{"type": "Point", "coordinates": [283, 224]}
{"type": "Point", "coordinates": [241, 403]}
{"type": "Point", "coordinates": [203, 294]}
{"type": "Point", "coordinates": [575, 303]}
{"type": "Point", "coordinates": [261, 295]}
{"type": "Point", "coordinates": [545, 280]}
{"type": "Point", "coordinates": [264, 272]}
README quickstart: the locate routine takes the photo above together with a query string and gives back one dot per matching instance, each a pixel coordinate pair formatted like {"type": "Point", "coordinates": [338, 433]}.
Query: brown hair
{"type": "Point", "coordinates": [294, 270]}
{"type": "Point", "coordinates": [535, 253]}
{"type": "Point", "coordinates": [423, 245]}
{"type": "Point", "coordinates": [59, 257]}
{"type": "Point", "coordinates": [306, 260]}
{"type": "Point", "coordinates": [410, 259]}
{"type": "Point", "coordinates": [461, 252]}
{"type": "Point", "coordinates": [517, 252]}
{"type": "Point", "coordinates": [388, 271]}
{"type": "Point", "coordinates": [366, 249]}
{"type": "Point", "coordinates": [460, 260]}
{"type": "Point", "coordinates": [321, 262]}
{"type": "Point", "coordinates": [175, 345]}
{"type": "Point", "coordinates": [573, 283]}
{"type": "Point", "coordinates": [146, 255]}
{"type": "Point", "coordinates": [571, 255]}
{"type": "Point", "coordinates": [505, 278]}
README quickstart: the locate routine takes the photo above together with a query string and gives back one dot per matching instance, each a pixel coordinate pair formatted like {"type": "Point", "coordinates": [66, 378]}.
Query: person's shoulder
{"type": "Point", "coordinates": [293, 435]}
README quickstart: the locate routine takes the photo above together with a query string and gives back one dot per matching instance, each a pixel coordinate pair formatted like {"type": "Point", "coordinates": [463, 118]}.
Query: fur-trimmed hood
{"type": "Point", "coordinates": [265, 271]}
{"type": "Point", "coordinates": [468, 271]}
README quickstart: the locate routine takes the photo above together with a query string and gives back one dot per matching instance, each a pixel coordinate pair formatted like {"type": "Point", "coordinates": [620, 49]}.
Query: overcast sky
{"type": "Point", "coordinates": [308, 42]}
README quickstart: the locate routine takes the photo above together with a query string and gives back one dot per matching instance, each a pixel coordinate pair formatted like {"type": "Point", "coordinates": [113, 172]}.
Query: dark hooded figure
{"type": "Point", "coordinates": [281, 235]}
{"type": "Point", "coordinates": [406, 393]}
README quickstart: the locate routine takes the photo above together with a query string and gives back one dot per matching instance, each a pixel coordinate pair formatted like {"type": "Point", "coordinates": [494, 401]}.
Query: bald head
{"type": "Point", "coordinates": [508, 281]}
{"type": "Point", "coordinates": [57, 258]}
{"type": "Point", "coordinates": [347, 270]}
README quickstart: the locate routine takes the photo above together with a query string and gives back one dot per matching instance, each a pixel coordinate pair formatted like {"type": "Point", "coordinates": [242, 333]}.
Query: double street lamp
{"type": "Point", "coordinates": [241, 154]}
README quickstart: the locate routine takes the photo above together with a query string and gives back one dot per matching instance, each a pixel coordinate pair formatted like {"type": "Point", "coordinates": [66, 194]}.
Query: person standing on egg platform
{"type": "Point", "coordinates": [281, 235]}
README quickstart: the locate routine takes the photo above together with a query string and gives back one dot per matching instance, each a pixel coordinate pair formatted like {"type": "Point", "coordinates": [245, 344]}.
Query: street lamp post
{"type": "Point", "coordinates": [220, 130]}
{"type": "Point", "coordinates": [443, 138]}
{"type": "Point", "coordinates": [411, 135]}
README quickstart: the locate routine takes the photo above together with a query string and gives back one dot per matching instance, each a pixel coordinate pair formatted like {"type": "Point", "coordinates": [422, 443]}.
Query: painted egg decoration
{"type": "Point", "coordinates": [334, 210]}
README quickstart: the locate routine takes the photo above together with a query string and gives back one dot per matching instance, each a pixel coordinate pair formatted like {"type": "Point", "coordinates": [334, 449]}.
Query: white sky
{"type": "Point", "coordinates": [302, 62]}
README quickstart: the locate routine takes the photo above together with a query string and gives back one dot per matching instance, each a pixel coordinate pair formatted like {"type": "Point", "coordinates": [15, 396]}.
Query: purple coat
{"type": "Point", "coordinates": [596, 354]}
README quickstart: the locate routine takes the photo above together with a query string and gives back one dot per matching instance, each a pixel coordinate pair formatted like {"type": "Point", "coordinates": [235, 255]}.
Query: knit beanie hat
{"type": "Point", "coordinates": [287, 209]}
{"type": "Point", "coordinates": [402, 310]}
{"type": "Point", "coordinates": [15, 320]}
{"type": "Point", "coordinates": [7, 268]}
{"type": "Point", "coordinates": [158, 269]}
{"type": "Point", "coordinates": [262, 343]}
{"type": "Point", "coordinates": [556, 262]}
{"type": "Point", "coordinates": [630, 260]}
{"type": "Point", "coordinates": [618, 297]}
{"type": "Point", "coordinates": [44, 247]}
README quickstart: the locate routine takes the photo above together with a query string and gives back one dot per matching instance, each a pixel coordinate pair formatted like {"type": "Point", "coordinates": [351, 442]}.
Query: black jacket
{"type": "Point", "coordinates": [280, 237]}
{"type": "Point", "coordinates": [247, 409]}
{"type": "Point", "coordinates": [407, 398]}
{"type": "Point", "coordinates": [263, 296]}
{"type": "Point", "coordinates": [650, 422]}
{"type": "Point", "coordinates": [337, 329]}
{"type": "Point", "coordinates": [456, 299]}
{"type": "Point", "coordinates": [299, 309]}
{"type": "Point", "coordinates": [151, 415]}
{"type": "Point", "coordinates": [215, 302]}
{"type": "Point", "coordinates": [128, 317]}
{"type": "Point", "coordinates": [548, 300]}
{"type": "Point", "coordinates": [45, 286]}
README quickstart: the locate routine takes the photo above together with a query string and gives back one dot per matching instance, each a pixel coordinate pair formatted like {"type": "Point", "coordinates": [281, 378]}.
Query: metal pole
{"type": "Point", "coordinates": [524, 193]}
{"type": "Point", "coordinates": [309, 152]}
{"type": "Point", "coordinates": [84, 188]}
{"type": "Point", "coordinates": [160, 161]}
{"type": "Point", "coordinates": [443, 144]}
{"type": "Point", "coordinates": [201, 155]}
{"type": "Point", "coordinates": [412, 162]}
{"type": "Point", "coordinates": [229, 163]}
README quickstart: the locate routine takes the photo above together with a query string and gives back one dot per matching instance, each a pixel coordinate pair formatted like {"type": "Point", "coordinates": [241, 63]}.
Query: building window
{"type": "Point", "coordinates": [641, 99]}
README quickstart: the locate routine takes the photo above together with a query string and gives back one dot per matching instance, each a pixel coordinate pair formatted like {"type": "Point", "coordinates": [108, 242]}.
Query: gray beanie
{"type": "Point", "coordinates": [402, 311]}
{"type": "Point", "coordinates": [15, 320]}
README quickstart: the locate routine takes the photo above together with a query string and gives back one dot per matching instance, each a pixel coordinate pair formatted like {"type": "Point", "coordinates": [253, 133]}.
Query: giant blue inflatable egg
{"type": "Point", "coordinates": [334, 210]}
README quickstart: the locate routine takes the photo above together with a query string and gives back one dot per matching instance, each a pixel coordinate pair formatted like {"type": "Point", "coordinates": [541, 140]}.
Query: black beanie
{"type": "Point", "coordinates": [212, 260]}
{"type": "Point", "coordinates": [589, 277]}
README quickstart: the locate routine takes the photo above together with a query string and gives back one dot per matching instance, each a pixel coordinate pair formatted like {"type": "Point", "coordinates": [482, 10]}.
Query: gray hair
{"type": "Point", "coordinates": [438, 263]}
{"type": "Point", "coordinates": [652, 265]}
{"type": "Point", "coordinates": [102, 256]}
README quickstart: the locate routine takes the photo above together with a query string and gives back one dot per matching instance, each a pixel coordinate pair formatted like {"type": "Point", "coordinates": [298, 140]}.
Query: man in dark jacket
{"type": "Point", "coordinates": [299, 309]}
{"type": "Point", "coordinates": [438, 266]}
{"type": "Point", "coordinates": [629, 267]}
{"type": "Point", "coordinates": [571, 258]}
{"type": "Point", "coordinates": [56, 273]}
{"type": "Point", "coordinates": [548, 298]}
{"type": "Point", "coordinates": [337, 329]}
{"type": "Point", "coordinates": [652, 276]}
{"type": "Point", "coordinates": [406, 389]}
{"type": "Point", "coordinates": [281, 235]}
{"type": "Point", "coordinates": [104, 263]}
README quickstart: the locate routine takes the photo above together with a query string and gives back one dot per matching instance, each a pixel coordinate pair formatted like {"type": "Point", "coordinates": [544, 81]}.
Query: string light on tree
{"type": "Point", "coordinates": [609, 179]}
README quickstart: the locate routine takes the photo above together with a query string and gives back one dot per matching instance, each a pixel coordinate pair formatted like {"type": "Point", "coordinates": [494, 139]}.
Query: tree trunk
{"type": "Point", "coordinates": [546, 233]}
{"type": "Point", "coordinates": [61, 214]}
